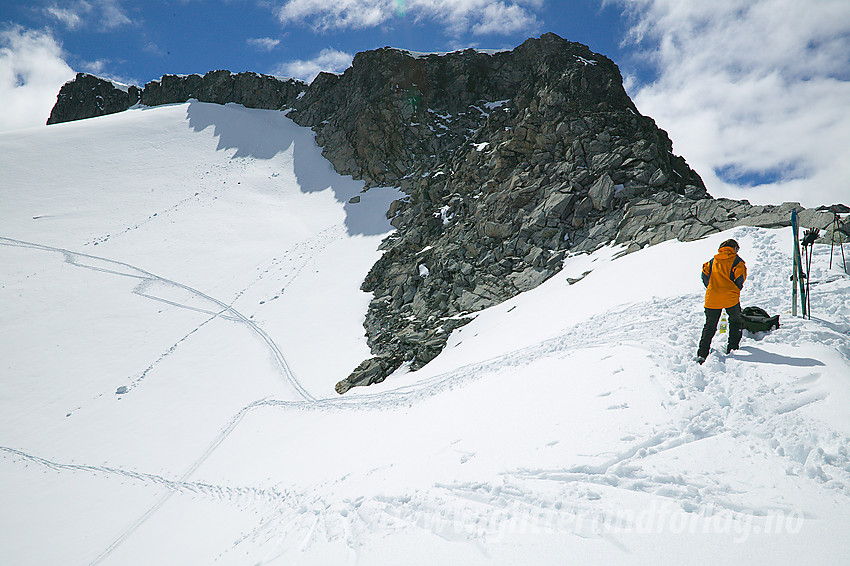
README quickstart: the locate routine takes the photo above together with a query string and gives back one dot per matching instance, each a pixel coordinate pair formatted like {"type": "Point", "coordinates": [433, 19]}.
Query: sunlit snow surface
{"type": "Point", "coordinates": [205, 262]}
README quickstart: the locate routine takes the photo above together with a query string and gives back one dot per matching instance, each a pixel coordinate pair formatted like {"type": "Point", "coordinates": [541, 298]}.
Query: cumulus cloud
{"type": "Point", "coordinates": [754, 93]}
{"type": "Point", "coordinates": [101, 68]}
{"type": "Point", "coordinates": [70, 17]}
{"type": "Point", "coordinates": [263, 43]}
{"type": "Point", "coordinates": [32, 70]}
{"type": "Point", "coordinates": [106, 14]}
{"type": "Point", "coordinates": [112, 15]}
{"type": "Point", "coordinates": [500, 18]}
{"type": "Point", "coordinates": [481, 17]}
{"type": "Point", "coordinates": [328, 60]}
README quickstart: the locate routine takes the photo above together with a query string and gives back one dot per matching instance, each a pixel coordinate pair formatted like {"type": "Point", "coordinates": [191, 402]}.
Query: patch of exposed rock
{"type": "Point", "coordinates": [88, 96]}
{"type": "Point", "coordinates": [221, 87]}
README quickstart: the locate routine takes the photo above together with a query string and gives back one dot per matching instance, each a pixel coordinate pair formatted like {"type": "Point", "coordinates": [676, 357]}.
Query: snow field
{"type": "Point", "coordinates": [206, 259]}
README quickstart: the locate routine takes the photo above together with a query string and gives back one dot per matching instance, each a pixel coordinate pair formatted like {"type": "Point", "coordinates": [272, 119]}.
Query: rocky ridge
{"type": "Point", "coordinates": [510, 161]}
{"type": "Point", "coordinates": [88, 96]}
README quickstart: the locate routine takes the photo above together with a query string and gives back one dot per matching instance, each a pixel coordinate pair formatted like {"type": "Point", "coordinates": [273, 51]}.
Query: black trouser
{"type": "Point", "coordinates": [711, 318]}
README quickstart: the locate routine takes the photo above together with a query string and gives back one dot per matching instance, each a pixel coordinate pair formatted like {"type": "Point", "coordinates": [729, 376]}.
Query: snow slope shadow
{"type": "Point", "coordinates": [258, 134]}
{"type": "Point", "coordinates": [263, 134]}
{"type": "Point", "coordinates": [760, 356]}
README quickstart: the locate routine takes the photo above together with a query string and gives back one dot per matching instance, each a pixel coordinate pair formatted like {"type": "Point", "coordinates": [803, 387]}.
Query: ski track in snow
{"type": "Point", "coordinates": [152, 217]}
{"type": "Point", "coordinates": [213, 174]}
{"type": "Point", "coordinates": [236, 496]}
{"type": "Point", "coordinates": [703, 402]}
{"type": "Point", "coordinates": [147, 280]}
{"type": "Point", "coordinates": [301, 254]}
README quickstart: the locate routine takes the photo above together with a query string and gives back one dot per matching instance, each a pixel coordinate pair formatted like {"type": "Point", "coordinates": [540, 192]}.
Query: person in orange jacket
{"type": "Point", "coordinates": [723, 277]}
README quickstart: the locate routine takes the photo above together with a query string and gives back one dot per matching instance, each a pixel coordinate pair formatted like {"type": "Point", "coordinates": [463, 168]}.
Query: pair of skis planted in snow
{"type": "Point", "coordinates": [798, 276]}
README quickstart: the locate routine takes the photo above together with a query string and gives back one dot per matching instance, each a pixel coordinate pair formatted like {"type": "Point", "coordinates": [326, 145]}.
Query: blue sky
{"type": "Point", "coordinates": [755, 94]}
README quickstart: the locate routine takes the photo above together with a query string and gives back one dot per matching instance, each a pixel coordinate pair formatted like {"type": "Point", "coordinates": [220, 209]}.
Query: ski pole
{"type": "Point", "coordinates": [808, 281]}
{"type": "Point", "coordinates": [794, 257]}
{"type": "Point", "coordinates": [809, 237]}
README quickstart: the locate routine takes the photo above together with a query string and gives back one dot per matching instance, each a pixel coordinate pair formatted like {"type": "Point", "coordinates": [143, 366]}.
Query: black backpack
{"type": "Point", "coordinates": [756, 319]}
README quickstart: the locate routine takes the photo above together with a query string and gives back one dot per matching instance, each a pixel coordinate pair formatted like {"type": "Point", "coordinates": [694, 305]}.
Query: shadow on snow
{"type": "Point", "coordinates": [263, 134]}
{"type": "Point", "coordinates": [760, 356]}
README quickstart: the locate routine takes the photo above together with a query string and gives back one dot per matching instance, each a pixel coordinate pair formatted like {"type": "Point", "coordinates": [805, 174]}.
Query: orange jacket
{"type": "Point", "coordinates": [723, 278]}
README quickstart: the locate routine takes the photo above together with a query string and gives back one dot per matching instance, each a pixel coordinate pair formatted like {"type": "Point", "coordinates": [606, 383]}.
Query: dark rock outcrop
{"type": "Point", "coordinates": [509, 161]}
{"type": "Point", "coordinates": [88, 96]}
{"type": "Point", "coordinates": [221, 87]}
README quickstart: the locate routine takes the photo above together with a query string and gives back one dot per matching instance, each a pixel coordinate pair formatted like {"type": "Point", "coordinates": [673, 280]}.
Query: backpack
{"type": "Point", "coordinates": [756, 319]}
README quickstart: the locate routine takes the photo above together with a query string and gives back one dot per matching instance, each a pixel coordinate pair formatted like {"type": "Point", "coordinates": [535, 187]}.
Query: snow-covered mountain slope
{"type": "Point", "coordinates": [180, 292]}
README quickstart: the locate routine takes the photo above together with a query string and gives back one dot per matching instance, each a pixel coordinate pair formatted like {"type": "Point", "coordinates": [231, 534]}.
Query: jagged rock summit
{"type": "Point", "coordinates": [510, 160]}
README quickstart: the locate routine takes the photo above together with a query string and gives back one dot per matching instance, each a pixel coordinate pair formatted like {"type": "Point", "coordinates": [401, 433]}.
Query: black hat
{"type": "Point", "coordinates": [730, 243]}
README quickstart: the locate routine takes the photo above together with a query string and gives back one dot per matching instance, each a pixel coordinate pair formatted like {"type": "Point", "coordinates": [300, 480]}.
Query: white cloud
{"type": "Point", "coordinates": [112, 15]}
{"type": "Point", "coordinates": [100, 68]}
{"type": "Point", "coordinates": [752, 92]}
{"type": "Point", "coordinates": [337, 14]}
{"type": "Point", "coordinates": [68, 16]}
{"type": "Point", "coordinates": [499, 18]}
{"type": "Point", "coordinates": [106, 14]}
{"type": "Point", "coordinates": [32, 70]}
{"type": "Point", "coordinates": [329, 60]}
{"type": "Point", "coordinates": [263, 43]}
{"type": "Point", "coordinates": [457, 16]}
{"type": "Point", "coordinates": [95, 67]}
